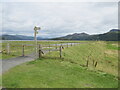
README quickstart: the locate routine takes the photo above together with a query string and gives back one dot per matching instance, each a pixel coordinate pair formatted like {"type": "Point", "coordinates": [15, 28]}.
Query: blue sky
{"type": "Point", "coordinates": [59, 18]}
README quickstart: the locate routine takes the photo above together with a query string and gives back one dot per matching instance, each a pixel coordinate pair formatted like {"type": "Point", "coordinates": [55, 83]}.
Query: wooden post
{"type": "Point", "coordinates": [56, 46]}
{"type": "Point", "coordinates": [23, 50]}
{"type": "Point", "coordinates": [87, 63]}
{"type": "Point", "coordinates": [60, 51]}
{"type": "Point", "coordinates": [40, 51]}
{"type": "Point", "coordinates": [8, 48]}
{"type": "Point", "coordinates": [49, 48]}
{"type": "Point", "coordinates": [95, 63]}
{"type": "Point", "coordinates": [35, 38]}
{"type": "Point", "coordinates": [71, 44]}
{"type": "Point", "coordinates": [61, 44]}
{"type": "Point", "coordinates": [67, 45]}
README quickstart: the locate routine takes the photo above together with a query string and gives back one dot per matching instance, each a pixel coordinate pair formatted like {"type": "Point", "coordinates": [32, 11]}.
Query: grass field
{"type": "Point", "coordinates": [70, 71]}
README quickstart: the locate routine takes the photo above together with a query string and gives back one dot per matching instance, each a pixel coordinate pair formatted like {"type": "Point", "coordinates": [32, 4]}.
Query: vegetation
{"type": "Point", "coordinates": [106, 58]}
{"type": "Point", "coordinates": [71, 71]}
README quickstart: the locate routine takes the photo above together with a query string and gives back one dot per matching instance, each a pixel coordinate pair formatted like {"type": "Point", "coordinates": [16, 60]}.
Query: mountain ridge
{"type": "Point", "coordinates": [112, 35]}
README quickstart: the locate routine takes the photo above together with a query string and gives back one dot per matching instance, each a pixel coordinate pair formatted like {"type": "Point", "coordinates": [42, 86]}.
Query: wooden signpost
{"type": "Point", "coordinates": [35, 38]}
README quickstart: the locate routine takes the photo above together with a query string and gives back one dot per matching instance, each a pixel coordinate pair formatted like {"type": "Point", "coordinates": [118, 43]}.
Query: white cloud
{"type": "Point", "coordinates": [58, 19]}
{"type": "Point", "coordinates": [60, 0]}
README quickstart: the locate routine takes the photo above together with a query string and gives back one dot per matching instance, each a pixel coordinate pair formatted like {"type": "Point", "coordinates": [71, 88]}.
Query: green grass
{"type": "Point", "coordinates": [70, 71]}
{"type": "Point", "coordinates": [107, 59]}
{"type": "Point", "coordinates": [113, 45]}
{"type": "Point", "coordinates": [50, 73]}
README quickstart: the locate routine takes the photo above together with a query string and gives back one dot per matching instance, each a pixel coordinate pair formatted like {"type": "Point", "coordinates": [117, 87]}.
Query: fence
{"type": "Point", "coordinates": [10, 49]}
{"type": "Point", "coordinates": [15, 50]}
{"type": "Point", "coordinates": [29, 49]}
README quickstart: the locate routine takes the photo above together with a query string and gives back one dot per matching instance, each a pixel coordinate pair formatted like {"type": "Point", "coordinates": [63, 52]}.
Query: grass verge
{"type": "Point", "coordinates": [49, 73]}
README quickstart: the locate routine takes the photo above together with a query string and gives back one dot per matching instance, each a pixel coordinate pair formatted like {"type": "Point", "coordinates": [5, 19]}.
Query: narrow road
{"type": "Point", "coordinates": [9, 63]}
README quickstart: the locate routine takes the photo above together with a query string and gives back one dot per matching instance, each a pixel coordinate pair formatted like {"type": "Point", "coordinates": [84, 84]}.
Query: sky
{"type": "Point", "coordinates": [58, 19]}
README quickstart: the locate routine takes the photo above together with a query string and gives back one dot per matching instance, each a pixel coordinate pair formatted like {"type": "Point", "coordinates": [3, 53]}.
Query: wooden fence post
{"type": "Point", "coordinates": [67, 45]}
{"type": "Point", "coordinates": [40, 51]}
{"type": "Point", "coordinates": [95, 63]}
{"type": "Point", "coordinates": [61, 44]}
{"type": "Point", "coordinates": [23, 50]}
{"type": "Point", "coordinates": [8, 48]}
{"type": "Point", "coordinates": [56, 46]}
{"type": "Point", "coordinates": [49, 48]}
{"type": "Point", "coordinates": [60, 51]}
{"type": "Point", "coordinates": [71, 44]}
{"type": "Point", "coordinates": [87, 63]}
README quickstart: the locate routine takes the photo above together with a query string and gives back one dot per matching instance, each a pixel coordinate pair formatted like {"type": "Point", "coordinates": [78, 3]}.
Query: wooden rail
{"type": "Point", "coordinates": [41, 48]}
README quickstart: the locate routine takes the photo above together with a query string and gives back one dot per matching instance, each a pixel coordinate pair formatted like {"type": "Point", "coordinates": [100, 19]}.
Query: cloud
{"type": "Point", "coordinates": [60, 0]}
{"type": "Point", "coordinates": [59, 19]}
{"type": "Point", "coordinates": [0, 18]}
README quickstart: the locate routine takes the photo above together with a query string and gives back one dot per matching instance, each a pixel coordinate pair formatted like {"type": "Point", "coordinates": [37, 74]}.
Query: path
{"type": "Point", "coordinates": [9, 63]}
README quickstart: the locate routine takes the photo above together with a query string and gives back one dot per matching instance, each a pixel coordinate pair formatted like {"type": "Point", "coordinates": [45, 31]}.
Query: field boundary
{"type": "Point", "coordinates": [12, 62]}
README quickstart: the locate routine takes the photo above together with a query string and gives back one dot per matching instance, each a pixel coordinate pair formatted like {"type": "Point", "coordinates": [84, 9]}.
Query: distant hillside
{"type": "Point", "coordinates": [19, 37]}
{"type": "Point", "coordinates": [112, 35]}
